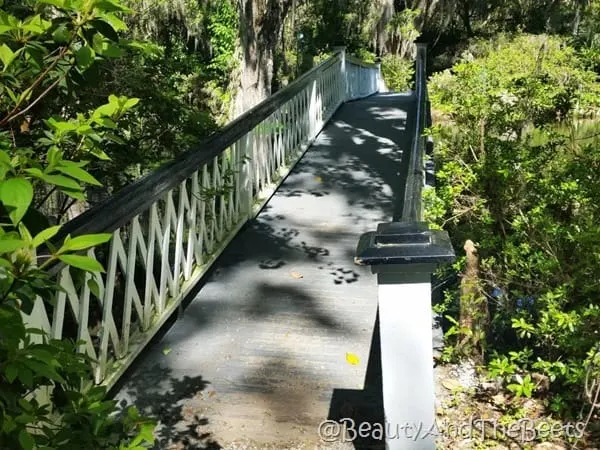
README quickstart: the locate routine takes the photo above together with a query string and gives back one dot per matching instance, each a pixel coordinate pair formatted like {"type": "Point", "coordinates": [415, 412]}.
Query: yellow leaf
{"type": "Point", "coordinates": [166, 351]}
{"type": "Point", "coordinates": [451, 384]}
{"type": "Point", "coordinates": [352, 359]}
{"type": "Point", "coordinates": [318, 179]}
{"type": "Point", "coordinates": [296, 275]}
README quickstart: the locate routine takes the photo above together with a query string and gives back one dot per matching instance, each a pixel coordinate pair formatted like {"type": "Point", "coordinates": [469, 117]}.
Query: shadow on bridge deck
{"type": "Point", "coordinates": [258, 353]}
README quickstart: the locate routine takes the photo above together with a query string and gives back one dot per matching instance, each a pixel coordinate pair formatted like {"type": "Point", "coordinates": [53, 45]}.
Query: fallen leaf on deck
{"type": "Point", "coordinates": [296, 275]}
{"type": "Point", "coordinates": [451, 385]}
{"type": "Point", "coordinates": [352, 359]}
{"type": "Point", "coordinates": [166, 351]}
{"type": "Point", "coordinates": [499, 399]}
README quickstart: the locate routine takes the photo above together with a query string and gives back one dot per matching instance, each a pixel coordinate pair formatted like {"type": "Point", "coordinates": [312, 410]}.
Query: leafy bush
{"type": "Point", "coordinates": [46, 50]}
{"type": "Point", "coordinates": [397, 73]}
{"type": "Point", "coordinates": [511, 179]}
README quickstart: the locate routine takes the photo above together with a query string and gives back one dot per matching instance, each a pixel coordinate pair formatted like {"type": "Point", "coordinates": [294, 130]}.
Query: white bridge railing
{"type": "Point", "coordinates": [169, 227]}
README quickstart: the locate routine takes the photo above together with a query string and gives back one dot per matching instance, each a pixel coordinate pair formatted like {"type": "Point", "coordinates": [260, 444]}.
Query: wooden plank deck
{"type": "Point", "coordinates": [255, 358]}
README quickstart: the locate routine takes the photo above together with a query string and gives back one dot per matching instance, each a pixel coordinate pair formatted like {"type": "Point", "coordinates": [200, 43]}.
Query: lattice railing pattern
{"type": "Point", "coordinates": [157, 255]}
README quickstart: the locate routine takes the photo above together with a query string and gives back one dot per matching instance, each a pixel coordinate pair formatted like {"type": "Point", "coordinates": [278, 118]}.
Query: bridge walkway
{"type": "Point", "coordinates": [256, 356]}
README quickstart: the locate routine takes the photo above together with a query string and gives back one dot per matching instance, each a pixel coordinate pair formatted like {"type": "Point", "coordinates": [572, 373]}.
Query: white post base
{"type": "Point", "coordinates": [405, 320]}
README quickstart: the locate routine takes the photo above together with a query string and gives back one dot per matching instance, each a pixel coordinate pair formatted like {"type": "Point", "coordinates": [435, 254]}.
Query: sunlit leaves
{"type": "Point", "coordinates": [16, 195]}
{"type": "Point", "coordinates": [82, 262]}
{"type": "Point", "coordinates": [518, 178]}
{"type": "Point", "coordinates": [10, 245]}
{"type": "Point", "coordinates": [84, 242]}
{"type": "Point", "coordinates": [45, 235]}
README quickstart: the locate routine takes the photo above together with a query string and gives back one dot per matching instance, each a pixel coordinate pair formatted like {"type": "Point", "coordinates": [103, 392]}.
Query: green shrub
{"type": "Point", "coordinates": [46, 50]}
{"type": "Point", "coordinates": [397, 73]}
{"type": "Point", "coordinates": [511, 179]}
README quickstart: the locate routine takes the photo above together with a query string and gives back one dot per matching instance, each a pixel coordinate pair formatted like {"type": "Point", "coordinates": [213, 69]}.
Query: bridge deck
{"type": "Point", "coordinates": [257, 355]}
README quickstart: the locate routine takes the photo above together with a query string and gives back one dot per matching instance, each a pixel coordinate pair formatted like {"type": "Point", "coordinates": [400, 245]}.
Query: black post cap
{"type": "Point", "coordinates": [404, 243]}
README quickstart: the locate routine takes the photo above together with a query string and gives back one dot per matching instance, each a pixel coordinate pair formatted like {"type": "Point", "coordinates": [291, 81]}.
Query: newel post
{"type": "Point", "coordinates": [404, 256]}
{"type": "Point", "coordinates": [342, 51]}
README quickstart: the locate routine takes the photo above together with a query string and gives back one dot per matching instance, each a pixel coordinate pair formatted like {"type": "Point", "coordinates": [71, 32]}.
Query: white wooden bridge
{"type": "Point", "coordinates": [232, 307]}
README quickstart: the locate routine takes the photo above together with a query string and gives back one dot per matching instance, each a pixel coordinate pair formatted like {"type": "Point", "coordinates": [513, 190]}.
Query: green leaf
{"type": "Point", "coordinates": [57, 3]}
{"type": "Point", "coordinates": [110, 6]}
{"type": "Point", "coordinates": [105, 29]}
{"type": "Point", "coordinates": [131, 103]}
{"type": "Point", "coordinates": [114, 138]}
{"type": "Point", "coordinates": [84, 57]}
{"type": "Point", "coordinates": [76, 194]}
{"type": "Point", "coordinates": [45, 235]}
{"type": "Point", "coordinates": [10, 245]}
{"type": "Point", "coordinates": [100, 154]}
{"type": "Point", "coordinates": [58, 180]}
{"type": "Point", "coordinates": [61, 126]}
{"type": "Point", "coordinates": [54, 156]}
{"type": "Point", "coordinates": [16, 194]}
{"type": "Point", "coordinates": [11, 372]}
{"type": "Point", "coordinates": [93, 287]}
{"type": "Point", "coordinates": [6, 55]}
{"type": "Point", "coordinates": [43, 354]}
{"type": "Point", "coordinates": [25, 405]}
{"type": "Point", "coordinates": [11, 94]}
{"type": "Point", "coordinates": [107, 109]}
{"type": "Point", "coordinates": [110, 50]}
{"type": "Point", "coordinates": [5, 159]}
{"type": "Point", "coordinates": [106, 122]}
{"type": "Point", "coordinates": [36, 25]}
{"type": "Point", "coordinates": [82, 262]}
{"type": "Point", "coordinates": [61, 35]}
{"type": "Point", "coordinates": [84, 242]}
{"type": "Point", "coordinates": [26, 440]}
{"type": "Point", "coordinates": [79, 174]}
{"type": "Point", "coordinates": [116, 23]}
{"type": "Point", "coordinates": [43, 369]}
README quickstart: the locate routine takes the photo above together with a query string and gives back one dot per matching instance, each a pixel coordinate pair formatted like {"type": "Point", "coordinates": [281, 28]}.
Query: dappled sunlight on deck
{"type": "Point", "coordinates": [263, 344]}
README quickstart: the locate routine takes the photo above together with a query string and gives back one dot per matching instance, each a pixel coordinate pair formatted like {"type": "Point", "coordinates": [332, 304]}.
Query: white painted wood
{"type": "Point", "coordinates": [150, 283]}
{"type": "Point", "coordinates": [192, 256]}
{"type": "Point", "coordinates": [108, 326]}
{"type": "Point", "coordinates": [405, 321]}
{"type": "Point", "coordinates": [129, 271]}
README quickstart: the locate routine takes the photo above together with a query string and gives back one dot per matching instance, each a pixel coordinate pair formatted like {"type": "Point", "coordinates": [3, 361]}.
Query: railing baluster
{"type": "Point", "coordinates": [192, 256]}
{"type": "Point", "coordinates": [150, 281]}
{"type": "Point", "coordinates": [107, 318]}
{"type": "Point", "coordinates": [129, 288]}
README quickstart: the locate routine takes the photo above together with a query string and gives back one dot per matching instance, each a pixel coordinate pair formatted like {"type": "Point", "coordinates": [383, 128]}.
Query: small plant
{"type": "Point", "coordinates": [523, 387]}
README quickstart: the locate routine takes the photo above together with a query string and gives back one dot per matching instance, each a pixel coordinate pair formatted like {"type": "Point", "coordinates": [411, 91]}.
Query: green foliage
{"type": "Point", "coordinates": [523, 387]}
{"type": "Point", "coordinates": [397, 72]}
{"type": "Point", "coordinates": [47, 48]}
{"type": "Point", "coordinates": [511, 179]}
{"type": "Point", "coordinates": [184, 77]}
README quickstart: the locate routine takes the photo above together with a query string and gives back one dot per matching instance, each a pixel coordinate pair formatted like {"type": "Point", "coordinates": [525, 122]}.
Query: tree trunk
{"type": "Point", "coordinates": [260, 26]}
{"type": "Point", "coordinates": [465, 14]}
{"type": "Point", "coordinates": [474, 313]}
{"type": "Point", "coordinates": [577, 20]}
